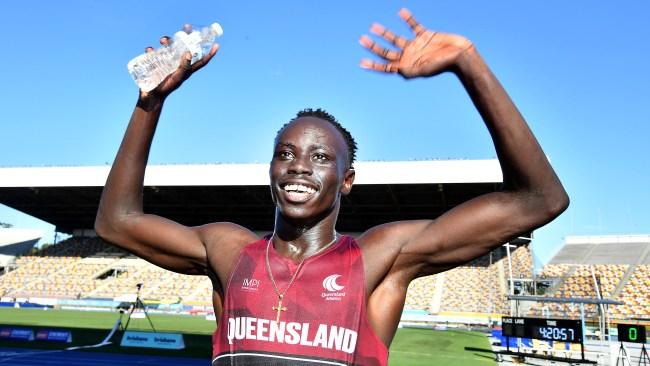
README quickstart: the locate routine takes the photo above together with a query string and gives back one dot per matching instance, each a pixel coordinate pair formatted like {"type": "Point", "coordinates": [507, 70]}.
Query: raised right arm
{"type": "Point", "coordinates": [120, 219]}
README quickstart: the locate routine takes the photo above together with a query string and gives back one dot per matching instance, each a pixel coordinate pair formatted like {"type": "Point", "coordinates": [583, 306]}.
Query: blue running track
{"type": "Point", "coordinates": [32, 357]}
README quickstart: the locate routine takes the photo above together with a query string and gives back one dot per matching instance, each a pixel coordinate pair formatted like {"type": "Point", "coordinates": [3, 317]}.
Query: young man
{"type": "Point", "coordinates": [323, 298]}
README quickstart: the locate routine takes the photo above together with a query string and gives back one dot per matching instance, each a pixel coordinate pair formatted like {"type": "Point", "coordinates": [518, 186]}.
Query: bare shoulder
{"type": "Point", "coordinates": [223, 242]}
{"type": "Point", "coordinates": [387, 272]}
{"type": "Point", "coordinates": [383, 247]}
{"type": "Point", "coordinates": [392, 238]}
{"type": "Point", "coordinates": [378, 237]}
{"type": "Point", "coordinates": [225, 234]}
{"type": "Point", "coordinates": [379, 253]}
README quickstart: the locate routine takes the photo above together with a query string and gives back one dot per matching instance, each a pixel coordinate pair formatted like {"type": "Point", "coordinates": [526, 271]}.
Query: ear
{"type": "Point", "coordinates": [348, 180]}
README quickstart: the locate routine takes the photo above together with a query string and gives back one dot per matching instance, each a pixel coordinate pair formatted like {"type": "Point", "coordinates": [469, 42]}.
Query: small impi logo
{"type": "Point", "coordinates": [250, 284]}
{"type": "Point", "coordinates": [329, 283]}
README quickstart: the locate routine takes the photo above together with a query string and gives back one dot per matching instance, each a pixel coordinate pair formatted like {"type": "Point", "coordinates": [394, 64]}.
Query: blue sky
{"type": "Point", "coordinates": [577, 70]}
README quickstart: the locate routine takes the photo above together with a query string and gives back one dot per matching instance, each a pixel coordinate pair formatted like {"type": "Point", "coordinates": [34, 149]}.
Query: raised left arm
{"type": "Point", "coordinates": [532, 194]}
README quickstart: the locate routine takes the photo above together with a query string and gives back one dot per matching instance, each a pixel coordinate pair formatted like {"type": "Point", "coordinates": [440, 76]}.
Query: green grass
{"type": "Point", "coordinates": [90, 327]}
{"type": "Point", "coordinates": [104, 320]}
{"type": "Point", "coordinates": [411, 347]}
{"type": "Point", "coordinates": [415, 347]}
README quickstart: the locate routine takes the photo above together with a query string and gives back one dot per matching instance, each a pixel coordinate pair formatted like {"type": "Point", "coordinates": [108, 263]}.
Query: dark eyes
{"type": "Point", "coordinates": [286, 155]}
{"type": "Point", "coordinates": [317, 157]}
{"type": "Point", "coordinates": [320, 157]}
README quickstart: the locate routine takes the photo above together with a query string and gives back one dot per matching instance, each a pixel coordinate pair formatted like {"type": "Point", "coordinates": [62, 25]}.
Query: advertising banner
{"type": "Point", "coordinates": [153, 340]}
{"type": "Point", "coordinates": [20, 334]}
{"type": "Point", "coordinates": [54, 335]}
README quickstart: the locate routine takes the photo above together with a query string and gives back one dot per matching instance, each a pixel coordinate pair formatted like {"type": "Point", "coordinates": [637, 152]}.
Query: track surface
{"type": "Point", "coordinates": [29, 357]}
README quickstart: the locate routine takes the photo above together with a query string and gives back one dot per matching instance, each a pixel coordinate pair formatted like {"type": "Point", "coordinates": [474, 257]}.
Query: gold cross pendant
{"type": "Point", "coordinates": [279, 308]}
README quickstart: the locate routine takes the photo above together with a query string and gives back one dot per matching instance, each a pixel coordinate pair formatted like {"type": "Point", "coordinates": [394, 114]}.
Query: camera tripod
{"type": "Point", "coordinates": [622, 355]}
{"type": "Point", "coordinates": [137, 304]}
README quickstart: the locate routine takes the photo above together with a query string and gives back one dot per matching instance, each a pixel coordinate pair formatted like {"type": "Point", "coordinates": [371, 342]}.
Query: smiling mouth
{"type": "Point", "coordinates": [298, 192]}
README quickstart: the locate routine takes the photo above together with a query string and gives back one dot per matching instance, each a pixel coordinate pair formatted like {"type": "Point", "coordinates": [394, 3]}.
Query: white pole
{"type": "Point", "coordinates": [512, 283]}
{"type": "Point", "coordinates": [601, 320]}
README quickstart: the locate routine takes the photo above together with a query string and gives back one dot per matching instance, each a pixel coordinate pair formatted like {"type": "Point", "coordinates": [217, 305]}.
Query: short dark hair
{"type": "Point", "coordinates": [325, 116]}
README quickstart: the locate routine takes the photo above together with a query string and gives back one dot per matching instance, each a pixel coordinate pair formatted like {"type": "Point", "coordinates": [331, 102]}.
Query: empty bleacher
{"type": "Point", "coordinates": [90, 268]}
{"type": "Point", "coordinates": [611, 267]}
{"type": "Point", "coordinates": [477, 287]}
{"type": "Point", "coordinates": [635, 294]}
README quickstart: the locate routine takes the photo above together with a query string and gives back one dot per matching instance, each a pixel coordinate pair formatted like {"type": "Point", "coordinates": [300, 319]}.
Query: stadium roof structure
{"type": "Point", "coordinates": [12, 236]}
{"type": "Point", "coordinates": [15, 241]}
{"type": "Point", "coordinates": [567, 300]}
{"type": "Point", "coordinates": [604, 249]}
{"type": "Point", "coordinates": [197, 194]}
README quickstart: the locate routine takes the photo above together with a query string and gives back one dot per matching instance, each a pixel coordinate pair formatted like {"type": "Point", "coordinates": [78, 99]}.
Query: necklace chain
{"type": "Point", "coordinates": [295, 274]}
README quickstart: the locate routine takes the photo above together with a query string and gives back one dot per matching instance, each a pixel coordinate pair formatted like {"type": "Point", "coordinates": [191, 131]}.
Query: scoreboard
{"type": "Point", "coordinates": [633, 333]}
{"type": "Point", "coordinates": [564, 330]}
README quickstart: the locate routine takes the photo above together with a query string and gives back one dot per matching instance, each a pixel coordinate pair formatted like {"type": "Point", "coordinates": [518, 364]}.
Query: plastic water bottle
{"type": "Point", "coordinates": [150, 69]}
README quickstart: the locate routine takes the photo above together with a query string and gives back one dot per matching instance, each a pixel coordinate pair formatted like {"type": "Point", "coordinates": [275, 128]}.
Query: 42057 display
{"type": "Point", "coordinates": [564, 330]}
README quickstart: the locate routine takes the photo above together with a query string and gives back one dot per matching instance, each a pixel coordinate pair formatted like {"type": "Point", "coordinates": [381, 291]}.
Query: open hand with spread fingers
{"type": "Point", "coordinates": [429, 53]}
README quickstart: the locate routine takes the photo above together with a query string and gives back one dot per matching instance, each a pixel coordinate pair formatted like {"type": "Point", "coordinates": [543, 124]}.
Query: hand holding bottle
{"type": "Point", "coordinates": [150, 69]}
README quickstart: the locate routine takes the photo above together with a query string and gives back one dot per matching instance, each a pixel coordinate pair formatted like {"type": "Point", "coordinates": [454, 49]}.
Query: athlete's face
{"type": "Point", "coordinates": [309, 170]}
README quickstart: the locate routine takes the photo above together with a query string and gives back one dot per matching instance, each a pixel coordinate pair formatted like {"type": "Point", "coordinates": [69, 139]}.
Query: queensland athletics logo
{"type": "Point", "coordinates": [329, 283]}
{"type": "Point", "coordinates": [333, 289]}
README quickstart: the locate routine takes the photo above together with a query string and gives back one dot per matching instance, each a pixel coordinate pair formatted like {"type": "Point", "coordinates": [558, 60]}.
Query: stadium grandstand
{"type": "Point", "coordinates": [84, 268]}
{"type": "Point", "coordinates": [600, 267]}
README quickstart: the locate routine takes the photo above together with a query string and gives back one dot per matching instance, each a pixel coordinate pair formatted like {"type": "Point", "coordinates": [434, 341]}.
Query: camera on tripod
{"type": "Point", "coordinates": [137, 310]}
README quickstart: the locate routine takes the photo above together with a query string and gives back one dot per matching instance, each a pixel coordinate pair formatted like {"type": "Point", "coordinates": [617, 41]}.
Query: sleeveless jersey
{"type": "Point", "coordinates": [322, 315]}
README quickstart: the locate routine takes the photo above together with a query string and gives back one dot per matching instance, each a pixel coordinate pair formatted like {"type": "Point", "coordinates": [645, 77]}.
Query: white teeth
{"type": "Point", "coordinates": [299, 188]}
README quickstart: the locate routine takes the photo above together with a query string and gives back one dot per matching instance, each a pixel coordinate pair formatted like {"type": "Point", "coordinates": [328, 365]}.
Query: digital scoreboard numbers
{"type": "Point", "coordinates": [555, 333]}
{"type": "Point", "coordinates": [564, 330]}
{"type": "Point", "coordinates": [633, 333]}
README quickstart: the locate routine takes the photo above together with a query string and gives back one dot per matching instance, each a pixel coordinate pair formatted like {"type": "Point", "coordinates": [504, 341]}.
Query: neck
{"type": "Point", "coordinates": [301, 241]}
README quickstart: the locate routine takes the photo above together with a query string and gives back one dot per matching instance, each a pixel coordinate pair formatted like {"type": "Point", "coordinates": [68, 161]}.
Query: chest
{"type": "Point", "coordinates": [328, 287]}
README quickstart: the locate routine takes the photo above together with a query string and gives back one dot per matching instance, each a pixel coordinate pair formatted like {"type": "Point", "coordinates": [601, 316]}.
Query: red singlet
{"type": "Point", "coordinates": [322, 317]}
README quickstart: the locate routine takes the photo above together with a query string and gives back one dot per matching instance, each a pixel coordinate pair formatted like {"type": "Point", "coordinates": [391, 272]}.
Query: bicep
{"type": "Point", "coordinates": [160, 241]}
{"type": "Point", "coordinates": [462, 234]}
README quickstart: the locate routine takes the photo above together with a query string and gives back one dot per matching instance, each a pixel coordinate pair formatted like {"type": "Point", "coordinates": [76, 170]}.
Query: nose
{"type": "Point", "coordinates": [300, 165]}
